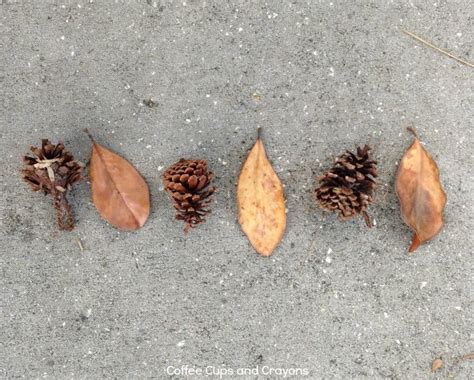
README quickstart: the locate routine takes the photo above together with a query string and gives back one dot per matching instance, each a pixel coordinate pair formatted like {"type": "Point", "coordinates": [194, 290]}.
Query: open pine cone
{"type": "Point", "coordinates": [188, 182]}
{"type": "Point", "coordinates": [348, 187]}
{"type": "Point", "coordinates": [53, 170]}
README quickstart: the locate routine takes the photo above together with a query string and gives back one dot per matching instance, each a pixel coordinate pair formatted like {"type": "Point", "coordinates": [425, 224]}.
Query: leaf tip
{"type": "Point", "coordinates": [264, 252]}
{"type": "Point", "coordinates": [414, 244]}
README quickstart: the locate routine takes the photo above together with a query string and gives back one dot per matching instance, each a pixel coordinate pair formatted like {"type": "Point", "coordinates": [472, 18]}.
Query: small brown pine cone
{"type": "Point", "coordinates": [53, 170]}
{"type": "Point", "coordinates": [348, 187]}
{"type": "Point", "coordinates": [188, 183]}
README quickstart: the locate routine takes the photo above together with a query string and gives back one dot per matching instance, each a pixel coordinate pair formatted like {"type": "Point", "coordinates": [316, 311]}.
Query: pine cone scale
{"type": "Point", "coordinates": [188, 182]}
{"type": "Point", "coordinates": [347, 188]}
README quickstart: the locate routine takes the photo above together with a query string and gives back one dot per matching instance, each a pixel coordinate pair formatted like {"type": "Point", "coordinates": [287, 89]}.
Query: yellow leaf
{"type": "Point", "coordinates": [261, 201]}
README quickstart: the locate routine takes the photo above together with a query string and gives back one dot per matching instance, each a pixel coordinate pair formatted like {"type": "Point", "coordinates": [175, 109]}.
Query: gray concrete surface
{"type": "Point", "coordinates": [336, 299]}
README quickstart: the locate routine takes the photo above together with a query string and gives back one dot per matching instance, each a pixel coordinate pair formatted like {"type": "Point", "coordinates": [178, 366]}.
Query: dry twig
{"type": "Point", "coordinates": [460, 60]}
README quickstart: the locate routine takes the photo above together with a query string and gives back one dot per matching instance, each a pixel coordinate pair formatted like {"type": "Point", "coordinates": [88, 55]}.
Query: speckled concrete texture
{"type": "Point", "coordinates": [337, 300]}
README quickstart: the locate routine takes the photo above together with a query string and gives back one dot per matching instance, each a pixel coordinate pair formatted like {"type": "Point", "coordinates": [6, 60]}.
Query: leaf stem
{"type": "Point", "coordinates": [89, 134]}
{"type": "Point", "coordinates": [259, 133]}
{"type": "Point", "coordinates": [412, 130]}
{"type": "Point", "coordinates": [460, 60]}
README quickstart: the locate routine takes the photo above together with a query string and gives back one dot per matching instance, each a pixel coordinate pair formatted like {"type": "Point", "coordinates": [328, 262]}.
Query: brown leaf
{"type": "Point", "coordinates": [436, 364]}
{"type": "Point", "coordinates": [421, 195]}
{"type": "Point", "coordinates": [261, 201]}
{"type": "Point", "coordinates": [118, 191]}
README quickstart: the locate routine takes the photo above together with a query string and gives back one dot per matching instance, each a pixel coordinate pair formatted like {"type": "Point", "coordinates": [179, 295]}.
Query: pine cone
{"type": "Point", "coordinates": [348, 187]}
{"type": "Point", "coordinates": [187, 182]}
{"type": "Point", "coordinates": [53, 170]}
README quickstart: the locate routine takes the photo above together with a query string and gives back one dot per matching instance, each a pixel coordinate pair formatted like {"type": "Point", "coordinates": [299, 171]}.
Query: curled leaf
{"type": "Point", "coordinates": [421, 195]}
{"type": "Point", "coordinates": [261, 201]}
{"type": "Point", "coordinates": [118, 191]}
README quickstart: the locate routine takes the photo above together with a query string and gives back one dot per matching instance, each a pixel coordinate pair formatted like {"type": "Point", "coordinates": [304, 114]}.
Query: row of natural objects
{"type": "Point", "coordinates": [122, 196]}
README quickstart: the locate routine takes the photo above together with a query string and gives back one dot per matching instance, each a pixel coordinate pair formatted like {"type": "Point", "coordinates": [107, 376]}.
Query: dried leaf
{"type": "Point", "coordinates": [436, 365]}
{"type": "Point", "coordinates": [261, 201]}
{"type": "Point", "coordinates": [118, 191]}
{"type": "Point", "coordinates": [421, 195]}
